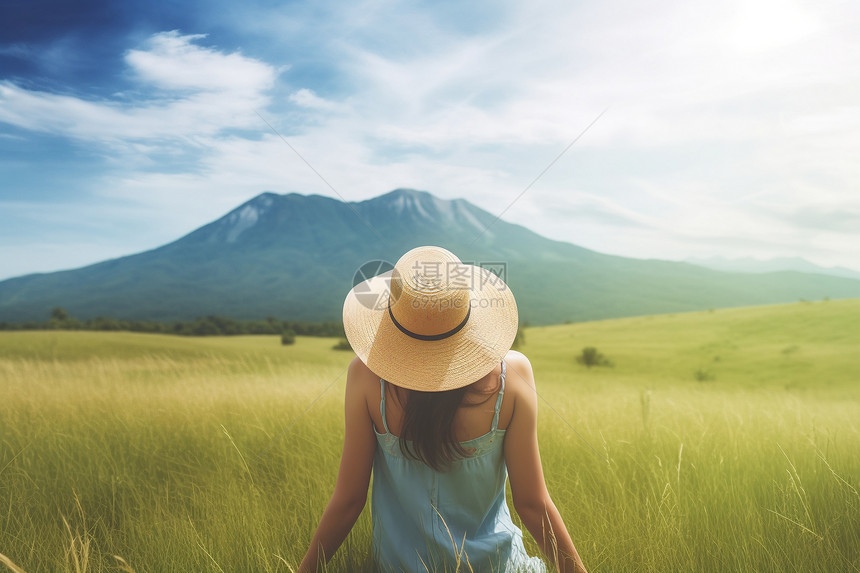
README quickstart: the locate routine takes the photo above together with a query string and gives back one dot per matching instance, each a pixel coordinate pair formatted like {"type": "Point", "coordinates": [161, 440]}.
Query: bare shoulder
{"type": "Point", "coordinates": [361, 378]}
{"type": "Point", "coordinates": [358, 368]}
{"type": "Point", "coordinates": [520, 384]}
{"type": "Point", "coordinates": [519, 371]}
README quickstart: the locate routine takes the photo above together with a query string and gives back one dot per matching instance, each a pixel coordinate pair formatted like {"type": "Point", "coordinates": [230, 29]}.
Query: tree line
{"type": "Point", "coordinates": [211, 325]}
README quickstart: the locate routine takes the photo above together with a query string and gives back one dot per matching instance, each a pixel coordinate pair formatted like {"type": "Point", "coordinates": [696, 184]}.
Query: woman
{"type": "Point", "coordinates": [441, 412]}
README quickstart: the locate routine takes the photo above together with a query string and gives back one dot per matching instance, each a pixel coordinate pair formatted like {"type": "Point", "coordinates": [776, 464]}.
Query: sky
{"type": "Point", "coordinates": [727, 129]}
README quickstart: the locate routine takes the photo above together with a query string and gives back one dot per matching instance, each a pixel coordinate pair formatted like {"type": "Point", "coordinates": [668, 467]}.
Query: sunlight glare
{"type": "Point", "coordinates": [762, 25]}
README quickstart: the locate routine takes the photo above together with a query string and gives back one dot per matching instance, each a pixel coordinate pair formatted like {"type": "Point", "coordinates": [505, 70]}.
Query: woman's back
{"type": "Point", "coordinates": [441, 330]}
{"type": "Point", "coordinates": [425, 519]}
{"type": "Point", "coordinates": [472, 420]}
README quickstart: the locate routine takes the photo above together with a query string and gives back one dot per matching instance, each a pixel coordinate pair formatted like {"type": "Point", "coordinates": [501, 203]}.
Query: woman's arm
{"type": "Point", "coordinates": [350, 492]}
{"type": "Point", "coordinates": [531, 498]}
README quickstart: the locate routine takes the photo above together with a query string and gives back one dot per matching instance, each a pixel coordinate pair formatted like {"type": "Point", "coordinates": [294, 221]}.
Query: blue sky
{"type": "Point", "coordinates": [731, 128]}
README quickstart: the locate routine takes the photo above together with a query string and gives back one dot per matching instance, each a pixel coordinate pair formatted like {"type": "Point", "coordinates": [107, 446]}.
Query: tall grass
{"type": "Point", "coordinates": [199, 462]}
{"type": "Point", "coordinates": [142, 452]}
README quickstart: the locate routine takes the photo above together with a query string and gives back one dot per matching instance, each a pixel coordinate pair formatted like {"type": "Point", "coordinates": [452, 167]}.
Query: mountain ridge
{"type": "Point", "coordinates": [293, 256]}
{"type": "Point", "coordinates": [753, 265]}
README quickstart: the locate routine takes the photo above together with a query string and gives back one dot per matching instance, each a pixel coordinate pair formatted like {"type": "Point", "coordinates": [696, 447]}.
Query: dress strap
{"type": "Point", "coordinates": [382, 405]}
{"type": "Point", "coordinates": [499, 399]}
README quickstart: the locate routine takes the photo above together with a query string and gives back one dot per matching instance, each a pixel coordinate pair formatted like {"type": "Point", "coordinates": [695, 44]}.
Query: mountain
{"type": "Point", "coordinates": [294, 256]}
{"type": "Point", "coordinates": [751, 265]}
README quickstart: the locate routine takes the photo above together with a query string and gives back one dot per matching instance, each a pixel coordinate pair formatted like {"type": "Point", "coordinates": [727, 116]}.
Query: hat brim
{"type": "Point", "coordinates": [439, 365]}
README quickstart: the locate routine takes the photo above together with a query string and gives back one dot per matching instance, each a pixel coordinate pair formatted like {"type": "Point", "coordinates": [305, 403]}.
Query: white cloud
{"type": "Point", "coordinates": [217, 91]}
{"type": "Point", "coordinates": [308, 99]}
{"type": "Point", "coordinates": [174, 62]}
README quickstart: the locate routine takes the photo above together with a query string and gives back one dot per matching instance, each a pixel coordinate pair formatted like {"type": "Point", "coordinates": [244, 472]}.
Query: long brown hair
{"type": "Point", "coordinates": [427, 433]}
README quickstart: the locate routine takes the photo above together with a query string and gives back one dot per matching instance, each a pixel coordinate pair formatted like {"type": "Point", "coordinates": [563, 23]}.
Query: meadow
{"type": "Point", "coordinates": [726, 440]}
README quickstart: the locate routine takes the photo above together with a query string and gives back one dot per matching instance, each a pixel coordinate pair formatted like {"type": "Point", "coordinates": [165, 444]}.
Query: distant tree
{"type": "Point", "coordinates": [590, 356]}
{"type": "Point", "coordinates": [288, 337]}
{"type": "Point", "coordinates": [59, 314]}
{"type": "Point", "coordinates": [103, 323]}
{"type": "Point", "coordinates": [325, 329]}
{"type": "Point", "coordinates": [342, 344]}
{"type": "Point", "coordinates": [211, 325]}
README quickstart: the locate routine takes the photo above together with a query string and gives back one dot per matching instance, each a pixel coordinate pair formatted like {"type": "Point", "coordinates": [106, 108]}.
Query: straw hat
{"type": "Point", "coordinates": [433, 323]}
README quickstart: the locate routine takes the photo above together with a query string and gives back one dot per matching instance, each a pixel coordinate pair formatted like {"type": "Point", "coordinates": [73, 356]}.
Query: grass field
{"type": "Point", "coordinates": [718, 441]}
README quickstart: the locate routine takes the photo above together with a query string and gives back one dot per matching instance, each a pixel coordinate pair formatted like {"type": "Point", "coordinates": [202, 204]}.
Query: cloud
{"type": "Point", "coordinates": [18, 50]}
{"type": "Point", "coordinates": [306, 98]}
{"type": "Point", "coordinates": [580, 207]}
{"type": "Point", "coordinates": [202, 92]}
{"type": "Point", "coordinates": [841, 218]}
{"type": "Point", "coordinates": [173, 62]}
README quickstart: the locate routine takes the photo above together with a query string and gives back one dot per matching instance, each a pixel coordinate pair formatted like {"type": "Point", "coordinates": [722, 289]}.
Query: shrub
{"type": "Point", "coordinates": [703, 375]}
{"type": "Point", "coordinates": [342, 344]}
{"type": "Point", "coordinates": [288, 337]}
{"type": "Point", "coordinates": [592, 357]}
{"type": "Point", "coordinates": [59, 314]}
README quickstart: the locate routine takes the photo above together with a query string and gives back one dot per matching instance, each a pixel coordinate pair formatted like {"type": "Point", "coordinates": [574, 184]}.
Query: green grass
{"type": "Point", "coordinates": [211, 454]}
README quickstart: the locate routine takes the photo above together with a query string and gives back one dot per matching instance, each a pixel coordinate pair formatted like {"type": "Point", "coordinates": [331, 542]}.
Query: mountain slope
{"type": "Point", "coordinates": [294, 256]}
